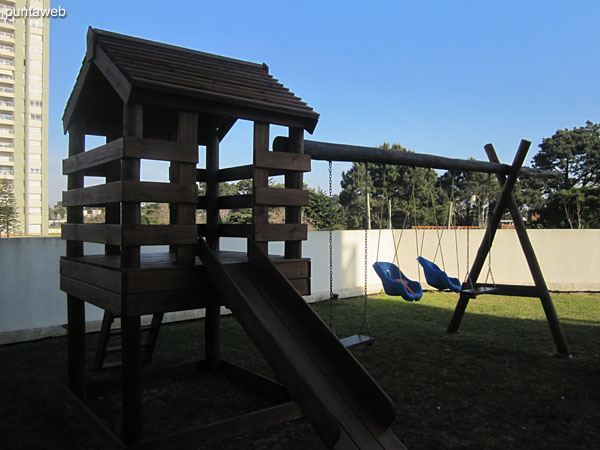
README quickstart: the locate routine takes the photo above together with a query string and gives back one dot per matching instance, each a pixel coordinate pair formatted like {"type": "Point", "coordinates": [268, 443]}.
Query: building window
{"type": "Point", "coordinates": [35, 130]}
{"type": "Point", "coordinates": [8, 20]}
{"type": "Point", "coordinates": [34, 77]}
{"type": "Point", "coordinates": [36, 117]}
{"type": "Point", "coordinates": [36, 37]}
{"type": "Point", "coordinates": [4, 170]}
{"type": "Point", "coordinates": [6, 144]}
{"type": "Point", "coordinates": [35, 170]}
{"type": "Point", "coordinates": [35, 63]}
{"type": "Point", "coordinates": [5, 76]}
{"type": "Point", "coordinates": [34, 229]}
{"type": "Point", "coordinates": [4, 102]}
{"type": "Point", "coordinates": [4, 130]}
{"type": "Point", "coordinates": [6, 34]}
{"type": "Point", "coordinates": [35, 89]}
{"type": "Point", "coordinates": [7, 158]}
{"type": "Point", "coordinates": [34, 210]}
{"type": "Point", "coordinates": [35, 157]}
{"type": "Point", "coordinates": [37, 50]}
{"type": "Point", "coordinates": [6, 62]}
{"type": "Point", "coordinates": [36, 23]}
{"type": "Point", "coordinates": [8, 90]}
{"type": "Point", "coordinates": [35, 184]}
{"type": "Point", "coordinates": [7, 48]}
{"type": "Point", "coordinates": [35, 103]}
{"type": "Point", "coordinates": [6, 116]}
{"type": "Point", "coordinates": [35, 197]}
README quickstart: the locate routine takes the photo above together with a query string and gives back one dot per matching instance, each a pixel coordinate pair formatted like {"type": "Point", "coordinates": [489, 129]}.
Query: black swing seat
{"type": "Point", "coordinates": [478, 290]}
{"type": "Point", "coordinates": [356, 339]}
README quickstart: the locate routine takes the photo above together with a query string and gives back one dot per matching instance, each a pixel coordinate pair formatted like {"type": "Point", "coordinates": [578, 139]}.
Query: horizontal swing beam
{"type": "Point", "coordinates": [326, 151]}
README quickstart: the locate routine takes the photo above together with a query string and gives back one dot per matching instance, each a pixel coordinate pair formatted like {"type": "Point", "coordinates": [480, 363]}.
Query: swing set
{"type": "Point", "coordinates": [397, 284]}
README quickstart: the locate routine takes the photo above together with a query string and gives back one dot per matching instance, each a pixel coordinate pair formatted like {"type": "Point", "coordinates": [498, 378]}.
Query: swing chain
{"type": "Point", "coordinates": [331, 296]}
{"type": "Point", "coordinates": [365, 318]}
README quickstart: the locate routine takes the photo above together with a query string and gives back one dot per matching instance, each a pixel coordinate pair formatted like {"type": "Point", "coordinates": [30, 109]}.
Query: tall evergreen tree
{"type": "Point", "coordinates": [572, 197]}
{"type": "Point", "coordinates": [8, 207]}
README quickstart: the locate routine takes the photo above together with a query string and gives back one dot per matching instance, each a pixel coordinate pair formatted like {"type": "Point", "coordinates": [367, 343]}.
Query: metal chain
{"type": "Point", "coordinates": [331, 296]}
{"type": "Point", "coordinates": [489, 233]}
{"type": "Point", "coordinates": [365, 318]}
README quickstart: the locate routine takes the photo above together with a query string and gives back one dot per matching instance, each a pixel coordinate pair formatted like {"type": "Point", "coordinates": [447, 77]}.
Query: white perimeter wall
{"type": "Point", "coordinates": [32, 305]}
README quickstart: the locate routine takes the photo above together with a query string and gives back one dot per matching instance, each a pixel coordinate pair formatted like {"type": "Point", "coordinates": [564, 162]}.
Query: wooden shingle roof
{"type": "Point", "coordinates": [164, 75]}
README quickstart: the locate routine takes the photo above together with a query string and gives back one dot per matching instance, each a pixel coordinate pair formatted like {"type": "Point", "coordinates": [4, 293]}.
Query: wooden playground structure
{"type": "Point", "coordinates": [159, 102]}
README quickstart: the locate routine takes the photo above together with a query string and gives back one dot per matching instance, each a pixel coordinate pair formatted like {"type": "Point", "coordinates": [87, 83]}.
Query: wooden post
{"type": "Point", "coordinates": [133, 125]}
{"type": "Point", "coordinates": [293, 180]}
{"type": "Point", "coordinates": [558, 335]}
{"type": "Point", "coordinates": [185, 173]}
{"type": "Point", "coordinates": [490, 233]}
{"type": "Point", "coordinates": [213, 313]}
{"type": "Point", "coordinates": [113, 210]}
{"type": "Point", "coordinates": [76, 306]}
{"type": "Point", "coordinates": [260, 214]}
{"type": "Point", "coordinates": [212, 192]}
{"type": "Point", "coordinates": [131, 419]}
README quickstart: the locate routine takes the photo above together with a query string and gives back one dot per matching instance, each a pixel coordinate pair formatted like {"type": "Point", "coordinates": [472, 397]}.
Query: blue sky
{"type": "Point", "coordinates": [435, 76]}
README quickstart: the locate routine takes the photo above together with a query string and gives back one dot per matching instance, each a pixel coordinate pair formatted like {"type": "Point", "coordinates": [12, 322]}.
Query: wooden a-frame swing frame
{"type": "Point", "coordinates": [507, 177]}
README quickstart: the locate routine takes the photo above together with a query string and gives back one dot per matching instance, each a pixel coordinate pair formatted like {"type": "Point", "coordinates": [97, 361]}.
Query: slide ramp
{"type": "Point", "coordinates": [342, 401]}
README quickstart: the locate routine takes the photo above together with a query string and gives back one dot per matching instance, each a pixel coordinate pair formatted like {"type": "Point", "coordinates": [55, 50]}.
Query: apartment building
{"type": "Point", "coordinates": [24, 51]}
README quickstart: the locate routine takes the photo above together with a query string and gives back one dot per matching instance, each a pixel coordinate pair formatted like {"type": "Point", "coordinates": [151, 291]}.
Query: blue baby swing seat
{"type": "Point", "coordinates": [437, 278]}
{"type": "Point", "coordinates": [395, 283]}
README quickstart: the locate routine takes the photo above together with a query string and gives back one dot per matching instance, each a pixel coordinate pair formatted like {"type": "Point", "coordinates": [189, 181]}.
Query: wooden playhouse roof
{"type": "Point", "coordinates": [161, 75]}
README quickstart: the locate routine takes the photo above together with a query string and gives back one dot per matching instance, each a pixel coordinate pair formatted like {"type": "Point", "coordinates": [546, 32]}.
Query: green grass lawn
{"type": "Point", "coordinates": [495, 385]}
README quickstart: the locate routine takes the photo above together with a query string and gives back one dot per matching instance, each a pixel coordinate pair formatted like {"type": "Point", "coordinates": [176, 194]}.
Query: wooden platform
{"type": "Point", "coordinates": [158, 285]}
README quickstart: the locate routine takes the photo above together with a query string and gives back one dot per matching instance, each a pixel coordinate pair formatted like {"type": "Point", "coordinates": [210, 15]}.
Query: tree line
{"type": "Point", "coordinates": [421, 197]}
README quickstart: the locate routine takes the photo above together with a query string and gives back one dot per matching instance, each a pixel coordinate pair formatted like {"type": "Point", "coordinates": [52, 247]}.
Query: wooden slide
{"type": "Point", "coordinates": [344, 404]}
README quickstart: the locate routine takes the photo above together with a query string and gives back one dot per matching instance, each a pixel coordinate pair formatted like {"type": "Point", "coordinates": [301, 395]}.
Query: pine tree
{"type": "Point", "coordinates": [8, 207]}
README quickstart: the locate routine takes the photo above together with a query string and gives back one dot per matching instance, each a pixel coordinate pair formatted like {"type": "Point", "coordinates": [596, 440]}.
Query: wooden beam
{"type": "Point", "coordinates": [225, 127]}
{"type": "Point", "coordinates": [131, 191]}
{"type": "Point", "coordinates": [326, 151]}
{"type": "Point", "coordinates": [255, 381]}
{"type": "Point", "coordinates": [160, 150]}
{"type": "Point", "coordinates": [281, 197]}
{"type": "Point", "coordinates": [283, 161]}
{"type": "Point", "coordinates": [112, 151]}
{"type": "Point", "coordinates": [131, 234]}
{"type": "Point", "coordinates": [107, 437]}
{"type": "Point", "coordinates": [236, 173]}
{"type": "Point", "coordinates": [280, 232]}
{"type": "Point", "coordinates": [236, 229]}
{"type": "Point", "coordinates": [102, 298]}
{"type": "Point", "coordinates": [92, 274]}
{"type": "Point", "coordinates": [169, 301]}
{"type": "Point", "coordinates": [113, 75]}
{"type": "Point", "coordinates": [222, 429]}
{"type": "Point", "coordinates": [490, 232]}
{"type": "Point", "coordinates": [560, 341]}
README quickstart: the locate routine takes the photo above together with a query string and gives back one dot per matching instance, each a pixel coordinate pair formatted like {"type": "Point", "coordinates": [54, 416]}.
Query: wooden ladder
{"type": "Point", "coordinates": [107, 331]}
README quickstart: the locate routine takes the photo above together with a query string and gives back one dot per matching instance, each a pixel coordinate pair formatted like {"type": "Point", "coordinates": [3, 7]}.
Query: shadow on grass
{"type": "Point", "coordinates": [494, 385]}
